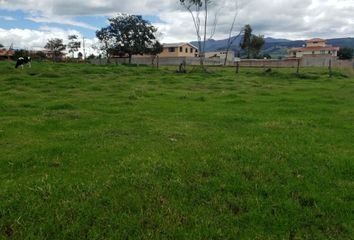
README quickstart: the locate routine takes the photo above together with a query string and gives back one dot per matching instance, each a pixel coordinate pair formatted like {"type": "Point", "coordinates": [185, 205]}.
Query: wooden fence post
{"type": "Point", "coordinates": [298, 66]}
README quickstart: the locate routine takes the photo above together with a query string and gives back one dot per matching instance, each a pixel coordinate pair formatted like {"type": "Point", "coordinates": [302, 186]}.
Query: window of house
{"type": "Point", "coordinates": [171, 49]}
{"type": "Point", "coordinates": [329, 52]}
{"type": "Point", "coordinates": [313, 52]}
{"type": "Point", "coordinates": [186, 50]}
{"type": "Point", "coordinates": [191, 50]}
{"type": "Point", "coordinates": [181, 49]}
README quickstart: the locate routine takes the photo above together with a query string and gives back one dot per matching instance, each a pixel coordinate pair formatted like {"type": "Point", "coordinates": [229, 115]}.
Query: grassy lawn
{"type": "Point", "coordinates": [116, 152]}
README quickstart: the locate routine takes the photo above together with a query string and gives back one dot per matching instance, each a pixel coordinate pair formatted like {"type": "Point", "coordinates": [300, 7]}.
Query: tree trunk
{"type": "Point", "coordinates": [205, 33]}
{"type": "Point", "coordinates": [298, 66]}
{"type": "Point", "coordinates": [227, 54]}
{"type": "Point", "coordinates": [130, 59]}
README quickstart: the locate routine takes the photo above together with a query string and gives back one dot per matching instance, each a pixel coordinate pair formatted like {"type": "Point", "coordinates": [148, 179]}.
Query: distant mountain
{"type": "Point", "coordinates": [273, 46]}
{"type": "Point", "coordinates": [276, 40]}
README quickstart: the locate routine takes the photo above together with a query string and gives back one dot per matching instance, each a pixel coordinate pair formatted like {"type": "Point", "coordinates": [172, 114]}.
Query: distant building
{"type": "Point", "coordinates": [314, 47]}
{"type": "Point", "coordinates": [179, 50]}
{"type": "Point", "coordinates": [6, 54]}
{"type": "Point", "coordinates": [220, 55]}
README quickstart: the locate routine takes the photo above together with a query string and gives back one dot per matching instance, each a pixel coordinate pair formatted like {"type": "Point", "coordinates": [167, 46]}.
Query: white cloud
{"type": "Point", "coordinates": [61, 20]}
{"type": "Point", "coordinates": [294, 19]}
{"type": "Point", "coordinates": [7, 18]}
{"type": "Point", "coordinates": [36, 39]}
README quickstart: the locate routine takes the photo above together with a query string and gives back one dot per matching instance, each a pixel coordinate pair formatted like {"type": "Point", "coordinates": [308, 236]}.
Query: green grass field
{"type": "Point", "coordinates": [118, 152]}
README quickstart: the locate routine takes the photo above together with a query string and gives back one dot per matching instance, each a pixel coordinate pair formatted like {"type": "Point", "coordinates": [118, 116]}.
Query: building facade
{"type": "Point", "coordinates": [314, 47]}
{"type": "Point", "coordinates": [179, 50]}
{"type": "Point", "coordinates": [6, 54]}
{"type": "Point", "coordinates": [221, 55]}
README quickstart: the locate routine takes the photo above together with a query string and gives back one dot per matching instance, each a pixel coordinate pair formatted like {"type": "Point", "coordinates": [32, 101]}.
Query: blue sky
{"type": "Point", "coordinates": [30, 23]}
{"type": "Point", "coordinates": [20, 20]}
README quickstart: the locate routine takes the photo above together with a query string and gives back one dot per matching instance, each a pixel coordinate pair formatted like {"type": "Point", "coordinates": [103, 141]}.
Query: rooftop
{"type": "Point", "coordinates": [315, 40]}
{"type": "Point", "coordinates": [328, 48]}
{"type": "Point", "coordinates": [168, 45]}
{"type": "Point", "coordinates": [6, 53]}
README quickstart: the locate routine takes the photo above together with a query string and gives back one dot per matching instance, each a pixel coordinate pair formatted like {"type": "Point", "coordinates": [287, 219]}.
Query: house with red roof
{"type": "Point", "coordinates": [6, 54]}
{"type": "Point", "coordinates": [314, 47]}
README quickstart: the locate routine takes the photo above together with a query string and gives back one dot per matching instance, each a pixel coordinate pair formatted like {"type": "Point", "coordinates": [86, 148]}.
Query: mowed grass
{"type": "Point", "coordinates": [117, 152]}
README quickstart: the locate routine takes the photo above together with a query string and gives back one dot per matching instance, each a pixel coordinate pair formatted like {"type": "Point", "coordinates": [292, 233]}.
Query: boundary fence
{"type": "Point", "coordinates": [308, 61]}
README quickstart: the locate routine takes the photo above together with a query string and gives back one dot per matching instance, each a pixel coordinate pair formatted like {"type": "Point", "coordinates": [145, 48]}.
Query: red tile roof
{"type": "Point", "coordinates": [306, 49]}
{"type": "Point", "coordinates": [6, 53]}
{"type": "Point", "coordinates": [315, 40]}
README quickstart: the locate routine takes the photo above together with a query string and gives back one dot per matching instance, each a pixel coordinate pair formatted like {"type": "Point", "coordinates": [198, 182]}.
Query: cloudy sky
{"type": "Point", "coordinates": [30, 23]}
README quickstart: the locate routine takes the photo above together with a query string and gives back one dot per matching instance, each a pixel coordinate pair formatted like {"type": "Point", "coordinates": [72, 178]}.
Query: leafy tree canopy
{"type": "Point", "coordinates": [128, 35]}
{"type": "Point", "coordinates": [345, 53]}
{"type": "Point", "coordinates": [56, 47]}
{"type": "Point", "coordinates": [74, 44]}
{"type": "Point", "coordinates": [250, 43]}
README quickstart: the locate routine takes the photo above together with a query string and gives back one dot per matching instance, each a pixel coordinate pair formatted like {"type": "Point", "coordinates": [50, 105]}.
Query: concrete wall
{"type": "Point", "coordinates": [163, 61]}
{"type": "Point", "coordinates": [284, 63]}
{"type": "Point", "coordinates": [345, 64]}
{"type": "Point", "coordinates": [332, 53]}
{"type": "Point", "coordinates": [318, 60]}
{"type": "Point", "coordinates": [221, 55]}
{"type": "Point", "coordinates": [257, 63]}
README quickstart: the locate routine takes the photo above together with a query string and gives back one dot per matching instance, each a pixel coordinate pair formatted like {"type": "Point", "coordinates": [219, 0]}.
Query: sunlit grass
{"type": "Point", "coordinates": [117, 152]}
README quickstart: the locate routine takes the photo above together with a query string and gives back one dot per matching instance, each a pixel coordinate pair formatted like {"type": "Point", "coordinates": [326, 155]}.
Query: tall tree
{"type": "Point", "coordinates": [250, 43]}
{"type": "Point", "coordinates": [74, 44]}
{"type": "Point", "coordinates": [154, 50]}
{"type": "Point", "coordinates": [56, 47]}
{"type": "Point", "coordinates": [232, 37]}
{"type": "Point", "coordinates": [246, 40]}
{"type": "Point", "coordinates": [20, 53]}
{"type": "Point", "coordinates": [105, 38]}
{"type": "Point", "coordinates": [128, 35]}
{"type": "Point", "coordinates": [345, 53]}
{"type": "Point", "coordinates": [195, 8]}
{"type": "Point", "coordinates": [40, 55]}
{"type": "Point", "coordinates": [257, 43]}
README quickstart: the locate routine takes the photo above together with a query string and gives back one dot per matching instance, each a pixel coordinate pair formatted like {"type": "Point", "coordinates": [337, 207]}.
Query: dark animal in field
{"type": "Point", "coordinates": [23, 61]}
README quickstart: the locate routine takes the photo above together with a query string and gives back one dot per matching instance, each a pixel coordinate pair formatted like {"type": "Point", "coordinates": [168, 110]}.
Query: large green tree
{"type": "Point", "coordinates": [250, 43]}
{"type": "Point", "coordinates": [195, 8]}
{"type": "Point", "coordinates": [245, 44]}
{"type": "Point", "coordinates": [257, 43]}
{"type": "Point", "coordinates": [128, 35]}
{"type": "Point", "coordinates": [154, 50]}
{"type": "Point", "coordinates": [74, 44]}
{"type": "Point", "coordinates": [56, 48]}
{"type": "Point", "coordinates": [345, 53]}
{"type": "Point", "coordinates": [20, 53]}
{"type": "Point", "coordinates": [105, 38]}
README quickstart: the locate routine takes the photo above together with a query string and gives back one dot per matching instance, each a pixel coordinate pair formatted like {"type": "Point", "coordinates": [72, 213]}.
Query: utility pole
{"type": "Point", "coordinates": [83, 46]}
